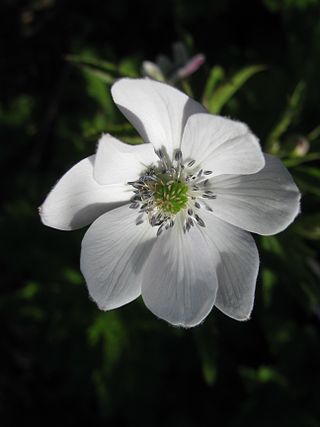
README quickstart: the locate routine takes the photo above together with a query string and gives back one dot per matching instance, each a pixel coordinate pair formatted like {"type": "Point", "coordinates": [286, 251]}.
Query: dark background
{"type": "Point", "coordinates": [62, 362]}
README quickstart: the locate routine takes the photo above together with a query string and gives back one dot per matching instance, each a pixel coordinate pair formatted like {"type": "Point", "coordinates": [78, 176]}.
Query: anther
{"type": "Point", "coordinates": [209, 196]}
{"type": "Point", "coordinates": [134, 205]}
{"type": "Point", "coordinates": [190, 222]}
{"type": "Point", "coordinates": [191, 163]}
{"type": "Point", "coordinates": [207, 172]}
{"type": "Point", "coordinates": [139, 220]}
{"type": "Point", "coordinates": [178, 155]}
{"type": "Point", "coordinates": [200, 221]}
{"type": "Point", "coordinates": [160, 230]}
{"type": "Point", "coordinates": [159, 153]}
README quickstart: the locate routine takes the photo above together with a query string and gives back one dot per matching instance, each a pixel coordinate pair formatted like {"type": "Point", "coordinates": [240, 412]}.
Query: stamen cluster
{"type": "Point", "coordinates": [171, 187]}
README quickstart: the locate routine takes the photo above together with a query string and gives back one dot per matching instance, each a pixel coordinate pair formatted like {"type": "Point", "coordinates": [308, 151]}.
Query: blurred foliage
{"type": "Point", "coordinates": [63, 361]}
{"type": "Point", "coordinates": [219, 90]}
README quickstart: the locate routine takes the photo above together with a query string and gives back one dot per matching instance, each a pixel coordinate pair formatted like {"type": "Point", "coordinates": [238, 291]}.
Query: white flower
{"type": "Point", "coordinates": [171, 216]}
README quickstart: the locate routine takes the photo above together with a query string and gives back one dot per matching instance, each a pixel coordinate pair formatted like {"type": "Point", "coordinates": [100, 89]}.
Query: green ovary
{"type": "Point", "coordinates": [171, 197]}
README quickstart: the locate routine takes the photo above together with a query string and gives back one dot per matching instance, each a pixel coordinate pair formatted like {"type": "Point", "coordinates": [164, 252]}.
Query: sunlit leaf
{"type": "Point", "coordinates": [129, 67]}
{"type": "Point", "coordinates": [102, 75]}
{"type": "Point", "coordinates": [224, 92]}
{"type": "Point", "coordinates": [215, 77]}
{"type": "Point", "coordinates": [290, 113]}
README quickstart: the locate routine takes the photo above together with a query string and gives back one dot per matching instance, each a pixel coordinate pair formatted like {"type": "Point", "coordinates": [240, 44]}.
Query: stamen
{"type": "Point", "coordinates": [200, 221]}
{"type": "Point", "coordinates": [165, 189]}
{"type": "Point", "coordinates": [159, 153]}
{"type": "Point", "coordinates": [134, 205]}
{"type": "Point", "coordinates": [209, 196]}
{"type": "Point", "coordinates": [160, 230]}
{"type": "Point", "coordinates": [178, 155]}
{"type": "Point", "coordinates": [139, 220]}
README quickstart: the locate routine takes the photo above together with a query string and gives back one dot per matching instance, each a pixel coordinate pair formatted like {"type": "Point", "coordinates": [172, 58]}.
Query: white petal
{"type": "Point", "coordinates": [238, 267]}
{"type": "Point", "coordinates": [114, 251]}
{"type": "Point", "coordinates": [221, 145]}
{"type": "Point", "coordinates": [118, 163]}
{"type": "Point", "coordinates": [264, 203]}
{"type": "Point", "coordinates": [159, 112]}
{"type": "Point", "coordinates": [180, 283]}
{"type": "Point", "coordinates": [77, 199]}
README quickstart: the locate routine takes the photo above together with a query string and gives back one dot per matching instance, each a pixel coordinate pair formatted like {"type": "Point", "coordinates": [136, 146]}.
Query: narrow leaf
{"type": "Point", "coordinates": [225, 91]}
{"type": "Point", "coordinates": [291, 111]}
{"type": "Point", "coordinates": [216, 76]}
{"type": "Point", "coordinates": [93, 62]}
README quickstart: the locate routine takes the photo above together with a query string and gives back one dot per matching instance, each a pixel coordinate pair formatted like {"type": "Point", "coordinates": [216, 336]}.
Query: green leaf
{"type": "Point", "coordinates": [314, 134]}
{"type": "Point", "coordinates": [263, 374]}
{"type": "Point", "coordinates": [269, 279]}
{"type": "Point", "coordinates": [296, 161]}
{"type": "Point", "coordinates": [272, 244]}
{"type": "Point", "coordinates": [103, 70]}
{"type": "Point", "coordinates": [129, 67]}
{"type": "Point", "coordinates": [224, 92]}
{"type": "Point", "coordinates": [209, 371]}
{"type": "Point", "coordinates": [307, 178]}
{"type": "Point", "coordinates": [309, 170]}
{"type": "Point", "coordinates": [102, 75]}
{"type": "Point", "coordinates": [216, 76]}
{"type": "Point", "coordinates": [85, 60]}
{"type": "Point", "coordinates": [30, 290]}
{"type": "Point", "coordinates": [309, 226]}
{"type": "Point", "coordinates": [290, 113]}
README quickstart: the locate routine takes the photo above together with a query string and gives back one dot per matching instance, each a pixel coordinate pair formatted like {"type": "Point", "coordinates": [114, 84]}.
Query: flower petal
{"type": "Point", "coordinates": [221, 145]}
{"type": "Point", "coordinates": [159, 112]}
{"type": "Point", "coordinates": [114, 251]}
{"type": "Point", "coordinates": [238, 267]}
{"type": "Point", "coordinates": [180, 283]}
{"type": "Point", "coordinates": [264, 203]}
{"type": "Point", "coordinates": [118, 163]}
{"type": "Point", "coordinates": [77, 199]}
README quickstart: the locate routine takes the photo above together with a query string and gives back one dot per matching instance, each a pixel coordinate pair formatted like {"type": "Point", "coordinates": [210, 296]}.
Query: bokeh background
{"type": "Point", "coordinates": [63, 362]}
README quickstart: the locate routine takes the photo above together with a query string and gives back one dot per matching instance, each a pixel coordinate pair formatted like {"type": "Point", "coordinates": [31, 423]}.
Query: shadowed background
{"type": "Point", "coordinates": [61, 360]}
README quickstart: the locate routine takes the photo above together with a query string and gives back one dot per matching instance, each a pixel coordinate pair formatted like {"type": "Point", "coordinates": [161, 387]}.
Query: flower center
{"type": "Point", "coordinates": [171, 188]}
{"type": "Point", "coordinates": [171, 196]}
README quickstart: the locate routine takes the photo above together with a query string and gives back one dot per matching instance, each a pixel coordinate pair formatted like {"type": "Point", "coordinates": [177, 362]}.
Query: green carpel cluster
{"type": "Point", "coordinates": [171, 197]}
